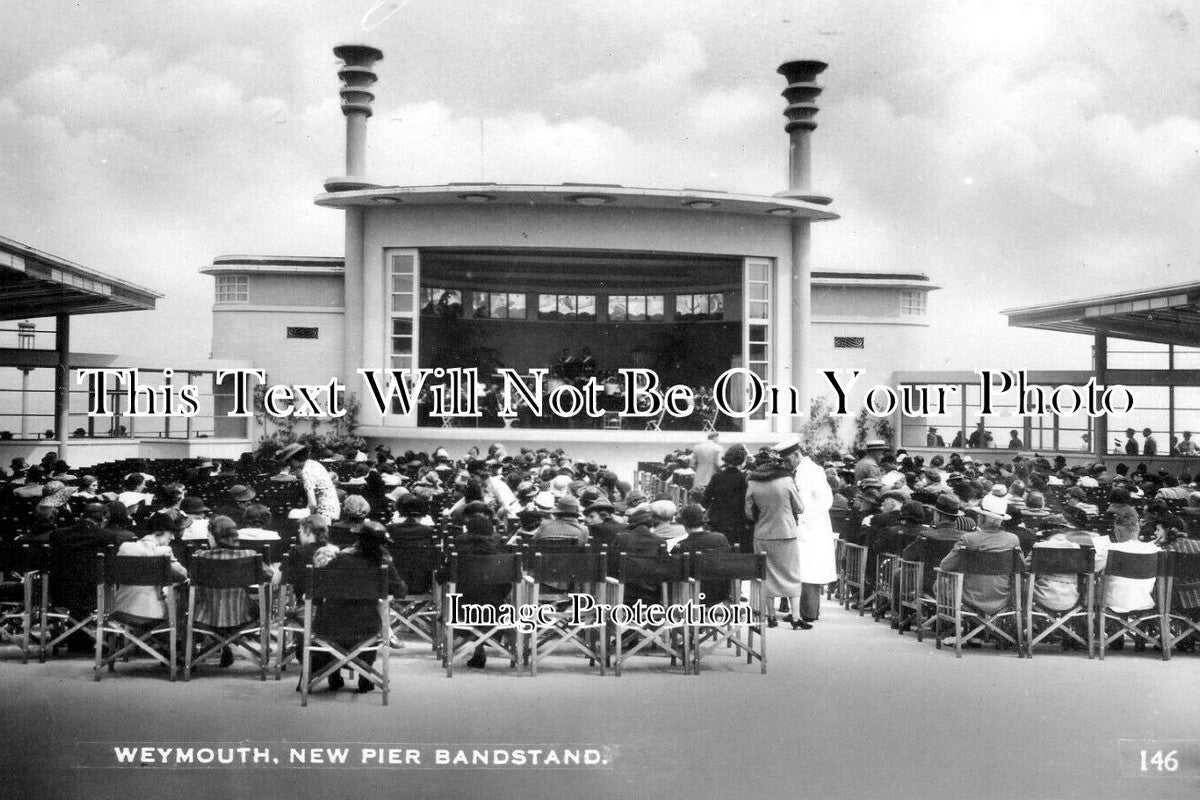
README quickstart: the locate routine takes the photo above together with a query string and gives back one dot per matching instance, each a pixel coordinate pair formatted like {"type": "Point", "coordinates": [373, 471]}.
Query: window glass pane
{"type": "Point", "coordinates": [683, 304]}
{"type": "Point", "coordinates": [716, 304]}
{"type": "Point", "coordinates": [586, 307]}
{"type": "Point", "coordinates": [547, 306]}
{"type": "Point", "coordinates": [637, 308]}
{"type": "Point", "coordinates": [402, 345]}
{"type": "Point", "coordinates": [479, 304]}
{"type": "Point", "coordinates": [759, 369]}
{"type": "Point", "coordinates": [758, 310]}
{"type": "Point", "coordinates": [402, 303]}
{"type": "Point", "coordinates": [654, 307]}
{"type": "Point", "coordinates": [758, 333]}
{"type": "Point", "coordinates": [757, 272]}
{"type": "Point", "coordinates": [758, 352]}
{"type": "Point", "coordinates": [402, 265]}
{"type": "Point", "coordinates": [758, 291]}
{"type": "Point", "coordinates": [402, 327]}
{"type": "Point", "coordinates": [516, 306]}
{"type": "Point", "coordinates": [616, 307]}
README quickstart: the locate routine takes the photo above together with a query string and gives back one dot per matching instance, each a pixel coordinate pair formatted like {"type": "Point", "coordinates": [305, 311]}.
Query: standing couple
{"type": "Point", "coordinates": [788, 499]}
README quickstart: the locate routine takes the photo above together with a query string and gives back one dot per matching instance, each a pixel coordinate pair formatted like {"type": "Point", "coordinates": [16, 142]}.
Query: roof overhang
{"type": "Point", "coordinates": [586, 195]}
{"type": "Point", "coordinates": [1167, 315]}
{"type": "Point", "coordinates": [36, 284]}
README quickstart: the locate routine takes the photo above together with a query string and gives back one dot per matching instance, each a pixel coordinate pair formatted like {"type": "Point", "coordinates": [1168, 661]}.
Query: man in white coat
{"type": "Point", "coordinates": [815, 536]}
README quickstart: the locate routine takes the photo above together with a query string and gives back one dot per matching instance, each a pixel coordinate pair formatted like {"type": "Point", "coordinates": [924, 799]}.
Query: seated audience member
{"type": "Point", "coordinates": [479, 538]}
{"type": "Point", "coordinates": [198, 512]}
{"type": "Point", "coordinates": [529, 521]}
{"type": "Point", "coordinates": [355, 510]}
{"type": "Point", "coordinates": [225, 609]}
{"type": "Point", "coordinates": [1057, 592]}
{"type": "Point", "coordinates": [1160, 522]}
{"type": "Point", "coordinates": [564, 522]}
{"type": "Point", "coordinates": [946, 513]}
{"type": "Point", "coordinates": [1128, 595]}
{"type": "Point", "coordinates": [1173, 489]}
{"type": "Point", "coordinates": [637, 539]}
{"type": "Point", "coordinates": [700, 539]}
{"type": "Point", "coordinates": [347, 622]}
{"type": "Point", "coordinates": [602, 527]}
{"type": "Point", "coordinates": [408, 526]}
{"type": "Point", "coordinates": [238, 499]}
{"type": "Point", "coordinates": [134, 494]}
{"type": "Point", "coordinates": [1125, 522]}
{"type": "Point", "coordinates": [1192, 509]}
{"type": "Point", "coordinates": [312, 535]}
{"type": "Point", "coordinates": [1185, 598]}
{"type": "Point", "coordinates": [986, 593]}
{"type": "Point", "coordinates": [256, 525]}
{"type": "Point", "coordinates": [665, 527]}
{"type": "Point", "coordinates": [85, 538]}
{"type": "Point", "coordinates": [144, 606]}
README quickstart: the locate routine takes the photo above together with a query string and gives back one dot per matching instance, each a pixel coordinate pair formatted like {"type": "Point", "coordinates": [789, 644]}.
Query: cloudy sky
{"type": "Point", "coordinates": [1016, 152]}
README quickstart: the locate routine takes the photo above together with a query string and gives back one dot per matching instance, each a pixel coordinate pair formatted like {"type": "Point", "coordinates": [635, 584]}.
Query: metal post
{"type": "Point", "coordinates": [1100, 356]}
{"type": "Point", "coordinates": [62, 375]}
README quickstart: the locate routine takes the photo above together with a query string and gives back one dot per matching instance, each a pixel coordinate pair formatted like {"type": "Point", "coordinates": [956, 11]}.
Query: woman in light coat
{"type": "Point", "coordinates": [815, 536]}
{"type": "Point", "coordinates": [773, 505]}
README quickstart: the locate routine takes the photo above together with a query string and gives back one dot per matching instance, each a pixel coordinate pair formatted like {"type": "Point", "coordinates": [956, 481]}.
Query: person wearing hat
{"type": "Point", "coordinates": [238, 499]}
{"type": "Point", "coordinates": [868, 465]}
{"type": "Point", "coordinates": [934, 439]}
{"type": "Point", "coordinates": [637, 539]}
{"type": "Point", "coordinates": [602, 527]}
{"type": "Point", "coordinates": [143, 606]}
{"type": "Point", "coordinates": [227, 608]}
{"type": "Point", "coordinates": [411, 524]}
{"type": "Point", "coordinates": [317, 483]}
{"type": "Point", "coordinates": [773, 505]}
{"type": "Point", "coordinates": [564, 523]}
{"type": "Point", "coordinates": [198, 512]}
{"type": "Point", "coordinates": [348, 622]}
{"type": "Point", "coordinates": [725, 499]}
{"type": "Point", "coordinates": [815, 539]}
{"type": "Point", "coordinates": [936, 541]}
{"type": "Point", "coordinates": [355, 510]}
{"type": "Point", "coordinates": [665, 527]}
{"type": "Point", "coordinates": [987, 593]}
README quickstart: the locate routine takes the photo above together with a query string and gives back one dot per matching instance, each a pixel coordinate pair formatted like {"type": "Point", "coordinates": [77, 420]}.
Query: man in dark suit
{"type": "Point", "coordinates": [70, 548]}
{"type": "Point", "coordinates": [933, 544]}
{"type": "Point", "coordinates": [701, 540]}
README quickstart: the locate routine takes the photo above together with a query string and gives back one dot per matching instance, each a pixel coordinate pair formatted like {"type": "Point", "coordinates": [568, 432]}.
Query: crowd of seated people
{"type": "Point", "coordinates": [492, 500]}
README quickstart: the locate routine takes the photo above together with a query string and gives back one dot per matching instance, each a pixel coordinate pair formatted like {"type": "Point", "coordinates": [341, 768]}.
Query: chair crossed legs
{"type": "Point", "coordinates": [124, 638]}
{"type": "Point", "coordinates": [1145, 626]}
{"type": "Point", "coordinates": [485, 625]}
{"type": "Point", "coordinates": [653, 580]}
{"type": "Point", "coordinates": [565, 621]}
{"type": "Point", "coordinates": [253, 636]}
{"type": "Point", "coordinates": [1061, 564]}
{"type": "Point", "coordinates": [969, 622]}
{"type": "Point", "coordinates": [20, 566]}
{"type": "Point", "coordinates": [732, 568]}
{"type": "Point", "coordinates": [335, 584]}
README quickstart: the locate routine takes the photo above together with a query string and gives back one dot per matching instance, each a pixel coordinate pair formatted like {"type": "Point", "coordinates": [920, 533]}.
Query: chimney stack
{"type": "Point", "coordinates": [357, 74]}
{"type": "Point", "coordinates": [801, 92]}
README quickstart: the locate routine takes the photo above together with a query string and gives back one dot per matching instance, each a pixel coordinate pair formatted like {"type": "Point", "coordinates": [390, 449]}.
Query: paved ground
{"type": "Point", "coordinates": [849, 709]}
